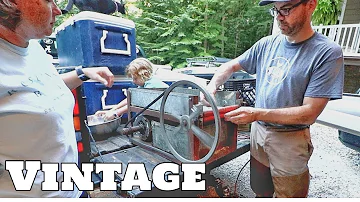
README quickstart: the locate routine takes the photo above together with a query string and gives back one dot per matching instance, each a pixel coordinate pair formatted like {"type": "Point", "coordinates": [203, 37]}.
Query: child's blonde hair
{"type": "Point", "coordinates": [140, 67]}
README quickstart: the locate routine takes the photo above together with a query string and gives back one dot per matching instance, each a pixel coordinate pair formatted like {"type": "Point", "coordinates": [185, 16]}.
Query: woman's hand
{"type": "Point", "coordinates": [101, 74]}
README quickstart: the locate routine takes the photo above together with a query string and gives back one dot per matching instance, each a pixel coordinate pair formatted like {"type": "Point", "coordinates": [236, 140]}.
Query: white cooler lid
{"type": "Point", "coordinates": [98, 17]}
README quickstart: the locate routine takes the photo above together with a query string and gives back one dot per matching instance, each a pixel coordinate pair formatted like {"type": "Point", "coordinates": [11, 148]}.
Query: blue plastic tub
{"type": "Point", "coordinates": [99, 97]}
{"type": "Point", "coordinates": [93, 39]}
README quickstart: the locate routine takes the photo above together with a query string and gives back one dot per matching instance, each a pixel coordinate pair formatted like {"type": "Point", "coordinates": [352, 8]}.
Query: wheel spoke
{"type": "Point", "coordinates": [204, 137]}
{"type": "Point", "coordinates": [196, 111]}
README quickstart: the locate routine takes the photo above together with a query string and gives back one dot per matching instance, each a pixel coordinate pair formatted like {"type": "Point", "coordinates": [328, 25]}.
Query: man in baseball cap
{"type": "Point", "coordinates": [297, 72]}
{"type": "Point", "coordinates": [288, 24]}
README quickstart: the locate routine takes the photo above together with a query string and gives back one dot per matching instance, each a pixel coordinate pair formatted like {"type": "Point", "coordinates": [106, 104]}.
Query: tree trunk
{"type": "Point", "coordinates": [206, 21]}
{"type": "Point", "coordinates": [223, 35]}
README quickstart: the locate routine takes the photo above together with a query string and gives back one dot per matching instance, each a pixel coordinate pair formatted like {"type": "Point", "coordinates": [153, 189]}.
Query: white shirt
{"type": "Point", "coordinates": [35, 116]}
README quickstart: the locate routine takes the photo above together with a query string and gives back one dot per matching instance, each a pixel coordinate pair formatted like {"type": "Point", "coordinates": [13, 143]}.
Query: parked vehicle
{"type": "Point", "coordinates": [49, 45]}
{"type": "Point", "coordinates": [206, 66]}
{"type": "Point", "coordinates": [344, 114]}
{"type": "Point", "coordinates": [351, 105]}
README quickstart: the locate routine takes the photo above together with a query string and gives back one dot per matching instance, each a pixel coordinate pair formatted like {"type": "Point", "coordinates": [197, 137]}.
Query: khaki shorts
{"type": "Point", "coordinates": [286, 155]}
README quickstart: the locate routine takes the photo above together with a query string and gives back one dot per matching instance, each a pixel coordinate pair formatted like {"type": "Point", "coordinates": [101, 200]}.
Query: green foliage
{"type": "Point", "coordinates": [327, 12]}
{"type": "Point", "coordinates": [172, 30]}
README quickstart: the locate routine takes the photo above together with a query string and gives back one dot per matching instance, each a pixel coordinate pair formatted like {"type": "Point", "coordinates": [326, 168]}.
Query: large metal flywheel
{"type": "Point", "coordinates": [187, 123]}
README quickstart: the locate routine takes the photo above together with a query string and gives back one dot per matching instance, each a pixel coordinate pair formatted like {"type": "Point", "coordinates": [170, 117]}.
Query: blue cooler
{"type": "Point", "coordinates": [93, 39]}
{"type": "Point", "coordinates": [99, 97]}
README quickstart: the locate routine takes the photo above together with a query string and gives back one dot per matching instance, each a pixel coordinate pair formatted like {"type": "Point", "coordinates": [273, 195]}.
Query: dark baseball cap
{"type": "Point", "coordinates": [266, 2]}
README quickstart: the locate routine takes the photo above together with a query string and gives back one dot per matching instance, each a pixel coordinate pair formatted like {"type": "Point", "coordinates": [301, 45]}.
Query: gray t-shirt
{"type": "Point", "coordinates": [287, 72]}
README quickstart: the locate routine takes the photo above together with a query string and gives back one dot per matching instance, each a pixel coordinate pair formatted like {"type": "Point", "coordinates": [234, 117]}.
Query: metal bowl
{"type": "Point", "coordinates": [98, 126]}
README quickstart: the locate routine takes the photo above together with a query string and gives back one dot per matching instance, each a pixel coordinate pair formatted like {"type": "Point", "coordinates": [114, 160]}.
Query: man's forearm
{"type": "Point", "coordinates": [286, 116]}
{"type": "Point", "coordinates": [223, 73]}
{"type": "Point", "coordinates": [305, 114]}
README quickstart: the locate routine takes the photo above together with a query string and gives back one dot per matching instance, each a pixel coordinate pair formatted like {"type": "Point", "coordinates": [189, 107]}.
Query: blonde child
{"type": "Point", "coordinates": [141, 72]}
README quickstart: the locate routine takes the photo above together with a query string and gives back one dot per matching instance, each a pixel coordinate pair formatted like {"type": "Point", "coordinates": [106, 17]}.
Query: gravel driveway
{"type": "Point", "coordinates": [334, 168]}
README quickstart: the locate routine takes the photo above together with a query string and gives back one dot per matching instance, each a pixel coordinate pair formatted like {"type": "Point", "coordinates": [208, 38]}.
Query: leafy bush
{"type": "Point", "coordinates": [327, 12]}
